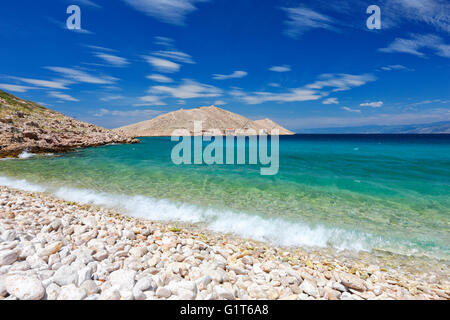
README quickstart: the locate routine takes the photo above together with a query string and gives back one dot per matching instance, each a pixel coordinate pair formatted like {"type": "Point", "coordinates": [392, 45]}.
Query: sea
{"type": "Point", "coordinates": [357, 193]}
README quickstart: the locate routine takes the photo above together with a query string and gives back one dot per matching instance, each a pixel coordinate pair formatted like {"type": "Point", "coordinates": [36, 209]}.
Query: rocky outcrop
{"type": "Point", "coordinates": [28, 126]}
{"type": "Point", "coordinates": [213, 119]}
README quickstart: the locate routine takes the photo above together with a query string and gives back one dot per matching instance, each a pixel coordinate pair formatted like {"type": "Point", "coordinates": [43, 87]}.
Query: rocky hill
{"type": "Point", "coordinates": [28, 126]}
{"type": "Point", "coordinates": [212, 118]}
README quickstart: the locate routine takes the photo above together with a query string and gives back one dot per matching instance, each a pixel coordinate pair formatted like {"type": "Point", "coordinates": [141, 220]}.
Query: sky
{"type": "Point", "coordinates": [305, 64]}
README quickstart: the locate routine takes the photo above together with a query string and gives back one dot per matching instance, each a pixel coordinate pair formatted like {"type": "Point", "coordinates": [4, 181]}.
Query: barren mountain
{"type": "Point", "coordinates": [271, 125]}
{"type": "Point", "coordinates": [28, 126]}
{"type": "Point", "coordinates": [212, 118]}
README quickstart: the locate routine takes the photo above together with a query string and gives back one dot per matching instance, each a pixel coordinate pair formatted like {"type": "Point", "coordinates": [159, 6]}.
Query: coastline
{"type": "Point", "coordinates": [72, 251]}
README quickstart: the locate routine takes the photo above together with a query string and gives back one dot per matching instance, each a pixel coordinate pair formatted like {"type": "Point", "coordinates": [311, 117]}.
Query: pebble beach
{"type": "Point", "coordinates": [52, 249]}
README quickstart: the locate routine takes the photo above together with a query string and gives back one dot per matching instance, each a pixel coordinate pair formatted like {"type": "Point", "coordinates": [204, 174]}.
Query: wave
{"type": "Point", "coordinates": [276, 231]}
{"type": "Point", "coordinates": [26, 155]}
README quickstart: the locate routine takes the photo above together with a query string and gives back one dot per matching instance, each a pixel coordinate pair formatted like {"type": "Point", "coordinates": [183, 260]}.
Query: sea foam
{"type": "Point", "coordinates": [276, 231]}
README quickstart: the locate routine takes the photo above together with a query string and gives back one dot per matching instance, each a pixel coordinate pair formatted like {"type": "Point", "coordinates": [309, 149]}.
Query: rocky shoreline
{"type": "Point", "coordinates": [26, 126]}
{"type": "Point", "coordinates": [51, 249]}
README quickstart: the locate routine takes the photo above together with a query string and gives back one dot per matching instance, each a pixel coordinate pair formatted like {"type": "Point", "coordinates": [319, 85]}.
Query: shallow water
{"type": "Point", "coordinates": [357, 192]}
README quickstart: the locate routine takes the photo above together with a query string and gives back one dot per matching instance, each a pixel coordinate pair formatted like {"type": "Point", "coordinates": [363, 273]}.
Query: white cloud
{"type": "Point", "coordinates": [429, 102]}
{"type": "Point", "coordinates": [188, 89]}
{"type": "Point", "coordinates": [394, 67]}
{"type": "Point", "coordinates": [235, 74]}
{"type": "Point", "coordinates": [294, 95]}
{"type": "Point", "coordinates": [111, 98]}
{"type": "Point", "coordinates": [432, 12]}
{"type": "Point", "coordinates": [99, 48]}
{"type": "Point", "coordinates": [302, 19]}
{"type": "Point", "coordinates": [416, 43]}
{"type": "Point", "coordinates": [284, 68]}
{"type": "Point", "coordinates": [169, 11]}
{"type": "Point", "coordinates": [341, 81]}
{"type": "Point", "coordinates": [150, 101]}
{"type": "Point", "coordinates": [313, 91]}
{"type": "Point", "coordinates": [63, 25]}
{"type": "Point", "coordinates": [82, 76]}
{"type": "Point", "coordinates": [129, 113]}
{"type": "Point", "coordinates": [330, 101]}
{"type": "Point", "coordinates": [219, 103]}
{"type": "Point", "coordinates": [175, 55]}
{"type": "Point", "coordinates": [377, 104]}
{"type": "Point", "coordinates": [275, 85]}
{"type": "Point", "coordinates": [14, 88]}
{"type": "Point", "coordinates": [163, 65]}
{"type": "Point", "coordinates": [62, 96]}
{"type": "Point", "coordinates": [351, 110]}
{"type": "Point", "coordinates": [164, 41]}
{"type": "Point", "coordinates": [60, 84]}
{"type": "Point", "coordinates": [159, 78]}
{"type": "Point", "coordinates": [113, 59]}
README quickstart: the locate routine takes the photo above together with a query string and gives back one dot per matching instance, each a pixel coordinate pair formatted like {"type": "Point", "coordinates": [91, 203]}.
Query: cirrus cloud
{"type": "Point", "coordinates": [168, 11]}
{"type": "Point", "coordinates": [234, 75]}
{"type": "Point", "coordinates": [377, 104]}
{"type": "Point", "coordinates": [188, 89]}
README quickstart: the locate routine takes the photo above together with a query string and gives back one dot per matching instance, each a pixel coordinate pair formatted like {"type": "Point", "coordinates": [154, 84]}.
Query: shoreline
{"type": "Point", "coordinates": [47, 241]}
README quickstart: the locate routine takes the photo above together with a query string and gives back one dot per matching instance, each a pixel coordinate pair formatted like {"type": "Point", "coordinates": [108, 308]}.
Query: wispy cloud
{"type": "Point", "coordinates": [99, 48]}
{"type": "Point", "coordinates": [111, 98]}
{"type": "Point", "coordinates": [219, 103]}
{"type": "Point", "coordinates": [62, 96]}
{"type": "Point", "coordinates": [234, 75]}
{"type": "Point", "coordinates": [351, 110]}
{"type": "Point", "coordinates": [188, 89]}
{"type": "Point", "coordinates": [63, 25]}
{"type": "Point", "coordinates": [284, 68]}
{"type": "Point", "coordinates": [169, 11]}
{"type": "Point", "coordinates": [14, 88]}
{"type": "Point", "coordinates": [163, 65]}
{"type": "Point", "coordinates": [377, 104]}
{"type": "Point", "coordinates": [82, 76]}
{"type": "Point", "coordinates": [432, 12]}
{"type": "Point", "coordinates": [128, 113]}
{"type": "Point", "coordinates": [159, 78]}
{"type": "Point", "coordinates": [294, 95]}
{"type": "Point", "coordinates": [313, 91]}
{"type": "Point", "coordinates": [417, 43]}
{"type": "Point", "coordinates": [302, 19]}
{"type": "Point", "coordinates": [341, 81]}
{"type": "Point", "coordinates": [56, 84]}
{"type": "Point", "coordinates": [330, 101]}
{"type": "Point", "coordinates": [434, 101]}
{"type": "Point", "coordinates": [150, 101]}
{"type": "Point", "coordinates": [395, 67]}
{"type": "Point", "coordinates": [174, 55]}
{"type": "Point", "coordinates": [164, 41]}
{"type": "Point", "coordinates": [113, 60]}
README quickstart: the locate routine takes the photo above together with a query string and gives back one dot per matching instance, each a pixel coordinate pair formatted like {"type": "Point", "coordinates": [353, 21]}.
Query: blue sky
{"type": "Point", "coordinates": [305, 64]}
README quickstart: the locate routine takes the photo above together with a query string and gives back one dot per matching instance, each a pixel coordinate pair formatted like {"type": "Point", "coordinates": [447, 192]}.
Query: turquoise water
{"type": "Point", "coordinates": [357, 192]}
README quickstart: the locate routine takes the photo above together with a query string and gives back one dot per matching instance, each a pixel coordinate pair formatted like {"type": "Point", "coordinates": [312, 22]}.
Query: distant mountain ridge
{"type": "Point", "coordinates": [442, 127]}
{"type": "Point", "coordinates": [212, 118]}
